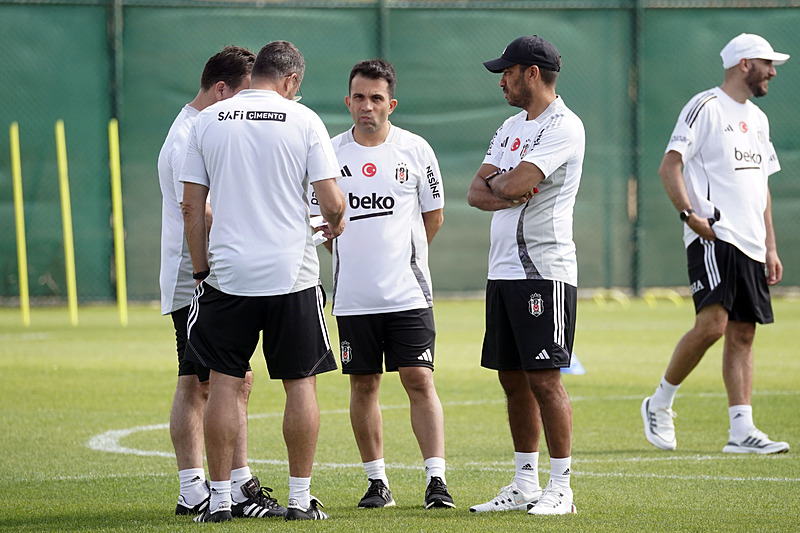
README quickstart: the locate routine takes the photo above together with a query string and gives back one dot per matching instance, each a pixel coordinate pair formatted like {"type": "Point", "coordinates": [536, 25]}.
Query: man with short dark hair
{"type": "Point", "coordinates": [383, 297]}
{"type": "Point", "coordinates": [255, 155]}
{"type": "Point", "coordinates": [529, 179]}
{"type": "Point", "coordinates": [224, 75]}
{"type": "Point", "coordinates": [715, 171]}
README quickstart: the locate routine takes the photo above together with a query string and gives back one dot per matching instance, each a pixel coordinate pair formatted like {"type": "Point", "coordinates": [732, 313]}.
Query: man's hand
{"type": "Point", "coordinates": [701, 226]}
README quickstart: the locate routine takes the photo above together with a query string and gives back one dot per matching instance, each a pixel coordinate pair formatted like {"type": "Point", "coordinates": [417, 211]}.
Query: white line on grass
{"type": "Point", "coordinates": [109, 441]}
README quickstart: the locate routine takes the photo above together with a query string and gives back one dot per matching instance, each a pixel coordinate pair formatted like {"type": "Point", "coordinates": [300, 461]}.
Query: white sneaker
{"type": "Point", "coordinates": [659, 429]}
{"type": "Point", "coordinates": [756, 441]}
{"type": "Point", "coordinates": [510, 498]}
{"type": "Point", "coordinates": [554, 500]}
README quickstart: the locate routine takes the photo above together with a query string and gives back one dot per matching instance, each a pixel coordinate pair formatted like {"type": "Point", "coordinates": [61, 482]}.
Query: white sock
{"type": "Point", "coordinates": [664, 394]}
{"type": "Point", "coordinates": [376, 470]}
{"type": "Point", "coordinates": [741, 420]}
{"type": "Point", "coordinates": [300, 490]}
{"type": "Point", "coordinates": [193, 485]}
{"type": "Point", "coordinates": [560, 471]}
{"type": "Point", "coordinates": [238, 477]}
{"type": "Point", "coordinates": [526, 474]}
{"type": "Point", "coordinates": [220, 494]}
{"type": "Point", "coordinates": [434, 467]}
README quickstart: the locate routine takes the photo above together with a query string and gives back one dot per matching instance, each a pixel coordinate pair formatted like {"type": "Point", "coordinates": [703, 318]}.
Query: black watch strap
{"type": "Point", "coordinates": [685, 214]}
{"type": "Point", "coordinates": [201, 275]}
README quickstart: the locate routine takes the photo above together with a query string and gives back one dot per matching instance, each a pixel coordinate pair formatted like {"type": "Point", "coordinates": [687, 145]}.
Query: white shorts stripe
{"type": "Point", "coordinates": [710, 259]}
{"type": "Point", "coordinates": [321, 316]}
{"type": "Point", "coordinates": [194, 308]}
{"type": "Point", "coordinates": [558, 313]}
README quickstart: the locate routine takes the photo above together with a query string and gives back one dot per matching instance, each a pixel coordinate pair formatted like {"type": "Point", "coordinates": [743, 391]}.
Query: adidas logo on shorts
{"type": "Point", "coordinates": [426, 356]}
{"type": "Point", "coordinates": [543, 355]}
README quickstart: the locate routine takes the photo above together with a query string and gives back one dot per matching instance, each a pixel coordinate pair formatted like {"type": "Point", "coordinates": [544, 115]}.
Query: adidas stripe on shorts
{"type": "Point", "coordinates": [406, 338]}
{"type": "Point", "coordinates": [530, 324]}
{"type": "Point", "coordinates": [721, 273]}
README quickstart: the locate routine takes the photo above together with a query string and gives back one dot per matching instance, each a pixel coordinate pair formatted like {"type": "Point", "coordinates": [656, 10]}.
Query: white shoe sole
{"type": "Point", "coordinates": [651, 437]}
{"type": "Point", "coordinates": [767, 450]}
{"type": "Point", "coordinates": [572, 510]}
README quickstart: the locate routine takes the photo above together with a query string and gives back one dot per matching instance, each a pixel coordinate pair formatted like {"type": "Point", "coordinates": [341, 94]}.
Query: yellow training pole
{"type": "Point", "coordinates": [116, 208]}
{"type": "Point", "coordinates": [66, 217]}
{"type": "Point", "coordinates": [19, 216]}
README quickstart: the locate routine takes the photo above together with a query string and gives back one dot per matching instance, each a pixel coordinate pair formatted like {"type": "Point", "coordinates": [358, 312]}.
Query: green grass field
{"type": "Point", "coordinates": [65, 387]}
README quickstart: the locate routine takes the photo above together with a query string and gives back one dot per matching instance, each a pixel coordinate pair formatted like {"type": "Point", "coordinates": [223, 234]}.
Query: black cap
{"type": "Point", "coordinates": [528, 50]}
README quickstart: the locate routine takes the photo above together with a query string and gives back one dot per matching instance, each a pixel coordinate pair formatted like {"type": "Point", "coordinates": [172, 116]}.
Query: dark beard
{"type": "Point", "coordinates": [522, 98]}
{"type": "Point", "coordinates": [754, 84]}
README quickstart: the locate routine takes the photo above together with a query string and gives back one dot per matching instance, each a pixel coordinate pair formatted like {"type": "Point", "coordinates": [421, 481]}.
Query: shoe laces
{"type": "Point", "coordinates": [506, 493]}
{"type": "Point", "coordinates": [756, 433]}
{"type": "Point", "coordinates": [376, 488]}
{"type": "Point", "coordinates": [265, 499]}
{"type": "Point", "coordinates": [662, 415]}
{"type": "Point", "coordinates": [551, 496]}
{"type": "Point", "coordinates": [437, 486]}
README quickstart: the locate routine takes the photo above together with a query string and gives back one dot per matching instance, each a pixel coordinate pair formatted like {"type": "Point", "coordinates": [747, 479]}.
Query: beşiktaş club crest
{"type": "Point", "coordinates": [401, 173]}
{"type": "Point", "coordinates": [347, 352]}
{"type": "Point", "coordinates": [535, 305]}
{"type": "Point", "coordinates": [525, 148]}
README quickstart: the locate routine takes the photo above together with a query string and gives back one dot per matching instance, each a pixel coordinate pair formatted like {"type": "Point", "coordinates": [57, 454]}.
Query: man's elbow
{"type": "Point", "coordinates": [333, 207]}
{"type": "Point", "coordinates": [472, 197]}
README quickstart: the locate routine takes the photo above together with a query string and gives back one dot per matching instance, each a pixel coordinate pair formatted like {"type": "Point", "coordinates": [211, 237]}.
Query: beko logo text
{"type": "Point", "coordinates": [370, 202]}
{"type": "Point", "coordinates": [747, 157]}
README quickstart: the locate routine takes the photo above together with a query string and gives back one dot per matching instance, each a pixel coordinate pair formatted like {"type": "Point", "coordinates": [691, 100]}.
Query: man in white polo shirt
{"type": "Point", "coordinates": [383, 299]}
{"type": "Point", "coordinates": [529, 180]}
{"type": "Point", "coordinates": [224, 75]}
{"type": "Point", "coordinates": [715, 172]}
{"type": "Point", "coordinates": [255, 154]}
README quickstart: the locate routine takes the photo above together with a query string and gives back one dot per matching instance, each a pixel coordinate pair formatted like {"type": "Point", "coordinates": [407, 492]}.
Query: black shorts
{"type": "Point", "coordinates": [223, 332]}
{"type": "Point", "coordinates": [530, 324]}
{"type": "Point", "coordinates": [186, 368]}
{"type": "Point", "coordinates": [405, 337]}
{"type": "Point", "coordinates": [721, 273]}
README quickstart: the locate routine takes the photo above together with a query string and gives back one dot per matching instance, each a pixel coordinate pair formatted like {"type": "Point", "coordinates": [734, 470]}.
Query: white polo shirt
{"type": "Point", "coordinates": [257, 152]}
{"type": "Point", "coordinates": [380, 263]}
{"type": "Point", "coordinates": [175, 279]}
{"type": "Point", "coordinates": [728, 157]}
{"type": "Point", "coordinates": [534, 240]}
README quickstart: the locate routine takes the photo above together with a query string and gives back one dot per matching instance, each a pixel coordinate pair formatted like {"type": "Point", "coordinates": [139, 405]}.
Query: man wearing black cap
{"type": "Point", "coordinates": [529, 180]}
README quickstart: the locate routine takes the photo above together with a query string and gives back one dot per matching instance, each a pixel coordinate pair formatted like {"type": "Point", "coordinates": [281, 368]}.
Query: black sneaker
{"type": "Point", "coordinates": [184, 508]}
{"type": "Point", "coordinates": [378, 495]}
{"type": "Point", "coordinates": [221, 514]}
{"type": "Point", "coordinates": [295, 512]}
{"type": "Point", "coordinates": [259, 503]}
{"type": "Point", "coordinates": [436, 495]}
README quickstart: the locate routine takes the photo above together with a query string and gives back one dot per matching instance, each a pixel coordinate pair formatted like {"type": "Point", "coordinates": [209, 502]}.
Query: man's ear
{"type": "Point", "coordinates": [219, 90]}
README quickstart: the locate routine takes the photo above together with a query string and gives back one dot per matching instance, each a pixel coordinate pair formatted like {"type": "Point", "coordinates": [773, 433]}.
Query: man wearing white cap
{"type": "Point", "coordinates": [715, 171]}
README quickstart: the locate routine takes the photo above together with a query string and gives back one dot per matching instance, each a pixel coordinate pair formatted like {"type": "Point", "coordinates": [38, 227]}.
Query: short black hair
{"type": "Point", "coordinates": [279, 59]}
{"type": "Point", "coordinates": [548, 76]}
{"type": "Point", "coordinates": [375, 69]}
{"type": "Point", "coordinates": [232, 65]}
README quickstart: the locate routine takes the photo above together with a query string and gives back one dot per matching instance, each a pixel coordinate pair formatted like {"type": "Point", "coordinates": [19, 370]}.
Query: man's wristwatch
{"type": "Point", "coordinates": [685, 214]}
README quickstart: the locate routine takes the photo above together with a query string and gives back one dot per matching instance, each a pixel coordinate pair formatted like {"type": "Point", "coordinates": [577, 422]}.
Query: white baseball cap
{"type": "Point", "coordinates": [749, 46]}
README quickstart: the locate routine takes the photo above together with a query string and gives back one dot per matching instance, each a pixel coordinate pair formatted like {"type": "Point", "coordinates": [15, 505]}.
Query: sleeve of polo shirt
{"type": "Point", "coordinates": [773, 165]}
{"type": "Point", "coordinates": [322, 163]}
{"type": "Point", "coordinates": [556, 146]}
{"type": "Point", "coordinates": [495, 151]}
{"type": "Point", "coordinates": [690, 127]}
{"type": "Point", "coordinates": [431, 188]}
{"type": "Point", "coordinates": [194, 168]}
